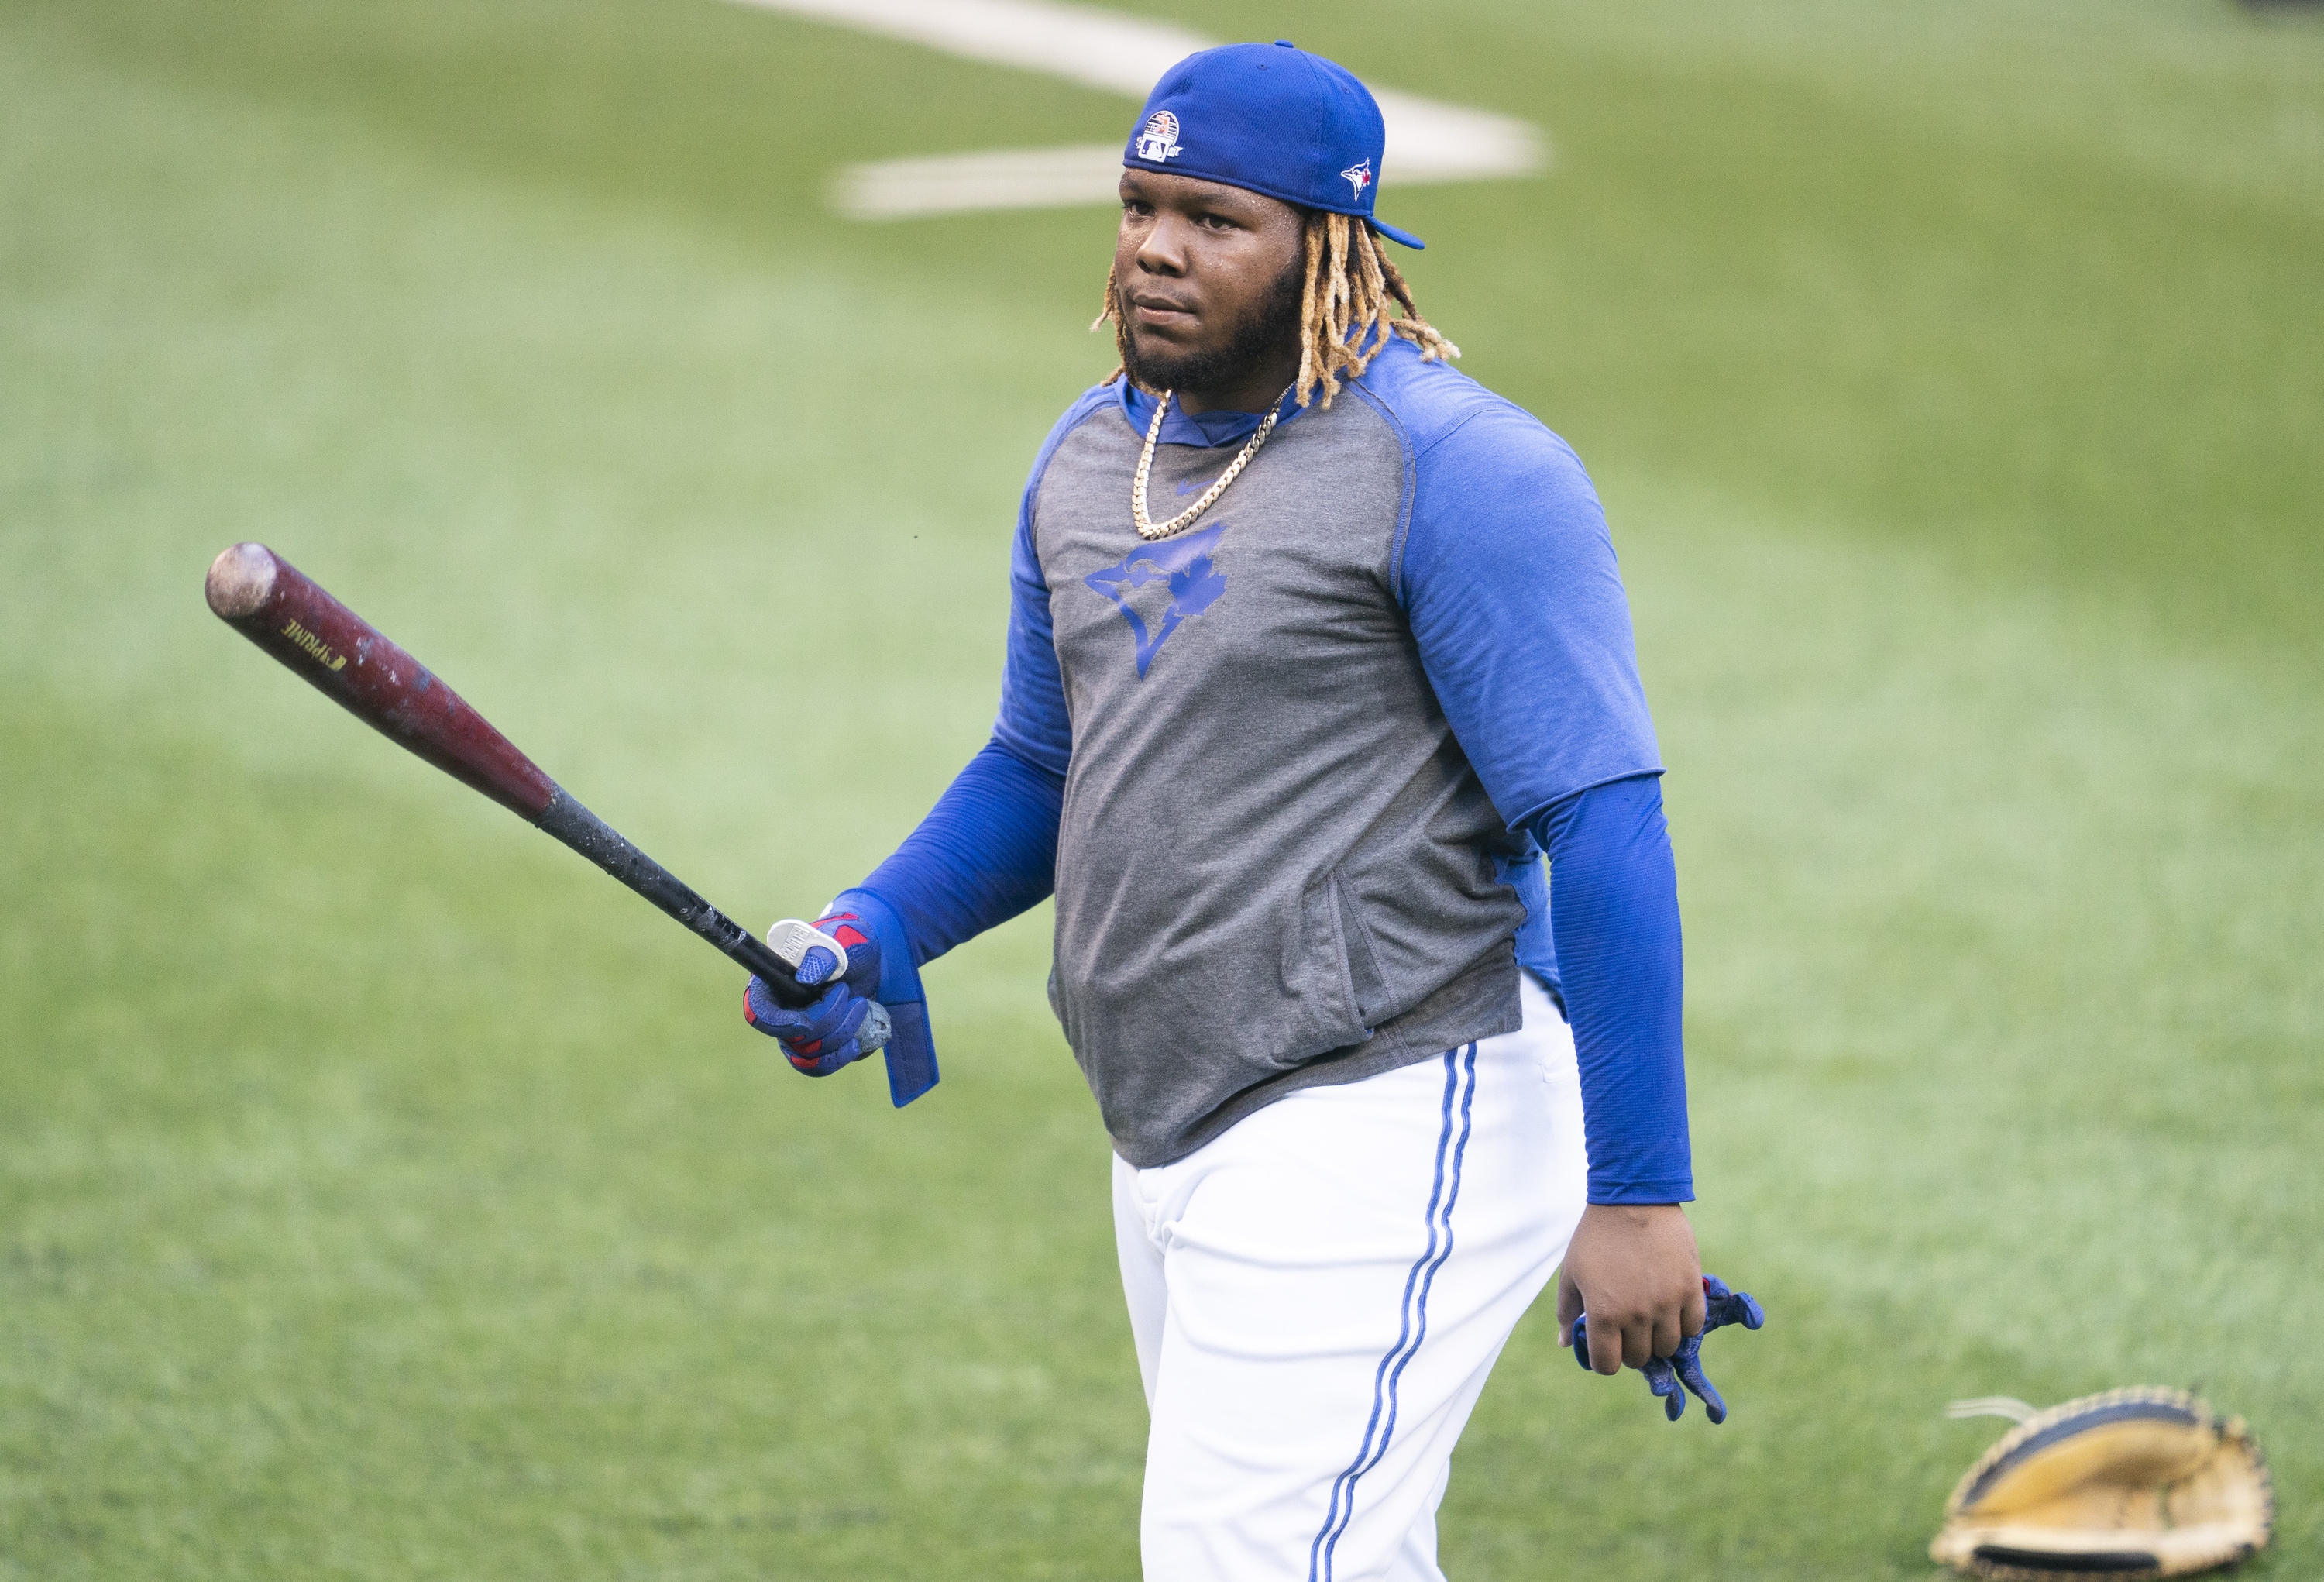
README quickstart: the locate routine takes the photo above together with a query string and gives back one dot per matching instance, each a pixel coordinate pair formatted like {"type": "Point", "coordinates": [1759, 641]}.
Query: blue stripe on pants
{"type": "Point", "coordinates": [1451, 1142]}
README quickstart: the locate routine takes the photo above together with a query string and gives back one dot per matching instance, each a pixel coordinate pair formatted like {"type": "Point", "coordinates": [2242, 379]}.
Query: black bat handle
{"type": "Point", "coordinates": [593, 839]}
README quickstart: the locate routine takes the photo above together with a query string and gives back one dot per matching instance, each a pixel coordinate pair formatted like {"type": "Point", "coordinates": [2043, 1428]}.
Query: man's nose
{"type": "Point", "coordinates": [1164, 251]}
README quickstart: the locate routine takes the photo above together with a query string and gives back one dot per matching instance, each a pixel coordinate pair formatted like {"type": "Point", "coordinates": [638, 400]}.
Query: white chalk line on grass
{"type": "Point", "coordinates": [998, 178]}
{"type": "Point", "coordinates": [1427, 141]}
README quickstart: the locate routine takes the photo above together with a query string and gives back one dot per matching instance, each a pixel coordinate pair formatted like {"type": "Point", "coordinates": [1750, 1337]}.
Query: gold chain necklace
{"type": "Point", "coordinates": [1150, 530]}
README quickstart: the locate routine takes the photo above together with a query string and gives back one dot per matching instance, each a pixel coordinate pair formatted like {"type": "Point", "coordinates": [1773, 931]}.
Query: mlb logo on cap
{"type": "Point", "coordinates": [1271, 118]}
{"type": "Point", "coordinates": [1159, 141]}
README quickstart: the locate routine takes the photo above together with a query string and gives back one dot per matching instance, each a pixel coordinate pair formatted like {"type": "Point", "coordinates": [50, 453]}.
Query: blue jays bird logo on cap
{"type": "Point", "coordinates": [1358, 176]}
{"type": "Point", "coordinates": [1159, 141]}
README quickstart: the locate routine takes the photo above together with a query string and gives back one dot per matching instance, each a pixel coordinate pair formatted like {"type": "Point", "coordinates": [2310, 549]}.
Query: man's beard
{"type": "Point", "coordinates": [1270, 326]}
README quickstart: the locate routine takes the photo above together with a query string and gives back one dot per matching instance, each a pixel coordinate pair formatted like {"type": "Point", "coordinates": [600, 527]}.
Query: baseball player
{"type": "Point", "coordinates": [1315, 647]}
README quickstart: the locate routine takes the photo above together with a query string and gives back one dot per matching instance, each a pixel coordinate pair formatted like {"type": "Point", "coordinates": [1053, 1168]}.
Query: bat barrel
{"type": "Point", "coordinates": [344, 657]}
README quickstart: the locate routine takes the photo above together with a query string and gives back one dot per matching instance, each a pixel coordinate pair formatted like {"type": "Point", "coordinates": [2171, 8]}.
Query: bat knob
{"type": "Point", "coordinates": [790, 941]}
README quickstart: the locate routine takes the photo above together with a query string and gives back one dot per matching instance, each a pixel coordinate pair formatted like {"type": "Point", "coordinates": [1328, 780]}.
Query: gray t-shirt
{"type": "Point", "coordinates": [1276, 865]}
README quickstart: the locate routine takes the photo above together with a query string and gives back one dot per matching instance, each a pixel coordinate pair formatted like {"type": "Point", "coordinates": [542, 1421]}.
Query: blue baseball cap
{"type": "Point", "coordinates": [1271, 118]}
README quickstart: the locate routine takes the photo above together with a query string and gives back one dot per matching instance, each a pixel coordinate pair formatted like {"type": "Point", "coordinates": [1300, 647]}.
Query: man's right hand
{"type": "Point", "coordinates": [821, 1038]}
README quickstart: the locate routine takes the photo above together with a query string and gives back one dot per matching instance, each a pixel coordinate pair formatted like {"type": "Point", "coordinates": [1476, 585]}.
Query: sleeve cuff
{"type": "Point", "coordinates": [1668, 1189]}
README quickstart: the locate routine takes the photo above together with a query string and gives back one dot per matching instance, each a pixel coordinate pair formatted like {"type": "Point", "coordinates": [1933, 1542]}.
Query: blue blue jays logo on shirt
{"type": "Point", "coordinates": [1192, 582]}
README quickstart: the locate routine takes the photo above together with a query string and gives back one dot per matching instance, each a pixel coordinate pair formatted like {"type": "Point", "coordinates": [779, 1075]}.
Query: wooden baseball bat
{"type": "Point", "coordinates": [344, 657]}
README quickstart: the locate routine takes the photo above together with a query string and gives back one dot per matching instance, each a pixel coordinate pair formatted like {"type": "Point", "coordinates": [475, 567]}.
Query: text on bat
{"type": "Point", "coordinates": [315, 645]}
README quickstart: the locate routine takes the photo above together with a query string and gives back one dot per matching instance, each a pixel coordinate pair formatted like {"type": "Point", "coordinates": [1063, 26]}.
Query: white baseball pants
{"type": "Point", "coordinates": [1318, 1294]}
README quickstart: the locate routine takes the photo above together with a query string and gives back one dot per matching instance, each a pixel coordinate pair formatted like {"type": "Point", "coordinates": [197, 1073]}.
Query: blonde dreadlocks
{"type": "Point", "coordinates": [1346, 300]}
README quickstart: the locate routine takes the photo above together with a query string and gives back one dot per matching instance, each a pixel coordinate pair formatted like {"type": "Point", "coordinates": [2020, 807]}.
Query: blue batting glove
{"type": "Point", "coordinates": [1684, 1365]}
{"type": "Point", "coordinates": [1663, 1382]}
{"type": "Point", "coordinates": [911, 1052]}
{"type": "Point", "coordinates": [821, 1038]}
{"type": "Point", "coordinates": [1666, 1374]}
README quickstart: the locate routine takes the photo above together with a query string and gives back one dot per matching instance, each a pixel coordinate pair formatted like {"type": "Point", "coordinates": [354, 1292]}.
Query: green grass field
{"type": "Point", "coordinates": [384, 1195]}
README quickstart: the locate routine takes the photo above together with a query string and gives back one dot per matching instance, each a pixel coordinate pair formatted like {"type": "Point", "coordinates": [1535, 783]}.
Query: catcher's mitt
{"type": "Point", "coordinates": [2145, 1482]}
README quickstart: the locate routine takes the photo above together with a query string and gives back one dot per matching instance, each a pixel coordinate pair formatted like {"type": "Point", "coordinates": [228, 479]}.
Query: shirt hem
{"type": "Point", "coordinates": [1420, 1034]}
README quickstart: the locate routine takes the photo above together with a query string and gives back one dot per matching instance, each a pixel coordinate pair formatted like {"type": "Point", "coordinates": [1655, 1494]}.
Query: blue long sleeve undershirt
{"type": "Point", "coordinates": [1615, 942]}
{"type": "Point", "coordinates": [987, 851]}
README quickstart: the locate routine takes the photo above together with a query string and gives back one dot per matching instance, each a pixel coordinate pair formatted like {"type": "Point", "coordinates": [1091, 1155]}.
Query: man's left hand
{"type": "Point", "coordinates": [1633, 1268]}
